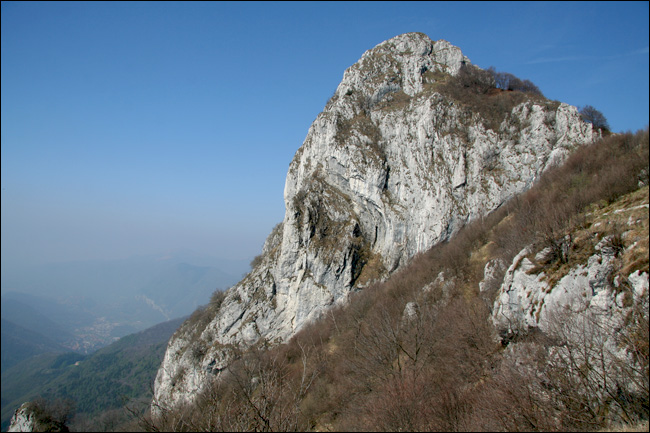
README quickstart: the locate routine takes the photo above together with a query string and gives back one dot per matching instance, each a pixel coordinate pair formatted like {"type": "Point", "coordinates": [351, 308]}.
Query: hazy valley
{"type": "Point", "coordinates": [84, 306]}
{"type": "Point", "coordinates": [68, 311]}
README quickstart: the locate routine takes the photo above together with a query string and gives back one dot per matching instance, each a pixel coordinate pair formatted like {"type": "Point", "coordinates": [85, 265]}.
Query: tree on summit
{"type": "Point", "coordinates": [595, 117]}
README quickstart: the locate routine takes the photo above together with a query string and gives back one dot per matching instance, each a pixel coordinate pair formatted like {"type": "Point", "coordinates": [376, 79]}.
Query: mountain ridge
{"type": "Point", "coordinates": [19, 343]}
{"type": "Point", "coordinates": [392, 166]}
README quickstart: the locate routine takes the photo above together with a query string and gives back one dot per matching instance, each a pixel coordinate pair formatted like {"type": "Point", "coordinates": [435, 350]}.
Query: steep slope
{"type": "Point", "coordinates": [592, 302]}
{"type": "Point", "coordinates": [395, 163]}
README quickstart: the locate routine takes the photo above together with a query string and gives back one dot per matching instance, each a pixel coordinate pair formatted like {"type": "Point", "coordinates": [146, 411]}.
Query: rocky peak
{"type": "Point", "coordinates": [399, 64]}
{"type": "Point", "coordinates": [392, 166]}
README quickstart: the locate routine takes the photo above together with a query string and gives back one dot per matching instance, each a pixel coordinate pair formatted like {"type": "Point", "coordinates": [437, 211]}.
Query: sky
{"type": "Point", "coordinates": [133, 128]}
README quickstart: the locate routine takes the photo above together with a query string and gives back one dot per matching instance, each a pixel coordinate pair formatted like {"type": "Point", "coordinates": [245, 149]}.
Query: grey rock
{"type": "Point", "coordinates": [390, 168]}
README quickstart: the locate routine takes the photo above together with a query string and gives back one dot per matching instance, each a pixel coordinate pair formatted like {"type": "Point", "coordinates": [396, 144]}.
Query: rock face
{"type": "Point", "coordinates": [390, 167]}
{"type": "Point", "coordinates": [23, 420]}
{"type": "Point", "coordinates": [526, 299]}
{"type": "Point", "coordinates": [600, 278]}
{"type": "Point", "coordinates": [29, 418]}
{"type": "Point", "coordinates": [591, 309]}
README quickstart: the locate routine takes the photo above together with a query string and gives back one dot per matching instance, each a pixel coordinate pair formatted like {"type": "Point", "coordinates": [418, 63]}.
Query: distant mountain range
{"type": "Point", "coordinates": [19, 343]}
{"type": "Point", "coordinates": [56, 315]}
{"type": "Point", "coordinates": [83, 306]}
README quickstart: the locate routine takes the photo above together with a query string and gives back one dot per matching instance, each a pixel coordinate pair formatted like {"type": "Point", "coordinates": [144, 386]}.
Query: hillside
{"type": "Point", "coordinates": [425, 350]}
{"type": "Point", "coordinates": [19, 343]}
{"type": "Point", "coordinates": [98, 384]}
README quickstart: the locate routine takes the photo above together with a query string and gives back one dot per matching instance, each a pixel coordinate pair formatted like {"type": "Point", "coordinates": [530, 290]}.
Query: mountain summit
{"type": "Point", "coordinates": [409, 148]}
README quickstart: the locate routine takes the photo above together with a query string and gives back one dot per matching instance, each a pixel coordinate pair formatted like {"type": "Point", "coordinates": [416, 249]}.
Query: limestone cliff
{"type": "Point", "coordinates": [393, 165]}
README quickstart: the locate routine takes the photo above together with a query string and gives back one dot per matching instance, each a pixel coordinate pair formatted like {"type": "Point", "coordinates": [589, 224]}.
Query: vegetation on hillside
{"type": "Point", "coordinates": [24, 382]}
{"type": "Point", "coordinates": [93, 388]}
{"type": "Point", "coordinates": [489, 93]}
{"type": "Point", "coordinates": [418, 351]}
{"type": "Point", "coordinates": [19, 343]}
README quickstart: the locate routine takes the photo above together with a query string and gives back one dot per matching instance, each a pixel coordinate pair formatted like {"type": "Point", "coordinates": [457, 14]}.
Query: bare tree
{"type": "Point", "coordinates": [475, 78]}
{"type": "Point", "coordinates": [595, 117]}
{"type": "Point", "coordinates": [261, 391]}
{"type": "Point", "coordinates": [595, 379]}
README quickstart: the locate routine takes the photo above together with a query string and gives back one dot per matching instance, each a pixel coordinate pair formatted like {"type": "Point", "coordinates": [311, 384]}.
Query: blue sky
{"type": "Point", "coordinates": [139, 128]}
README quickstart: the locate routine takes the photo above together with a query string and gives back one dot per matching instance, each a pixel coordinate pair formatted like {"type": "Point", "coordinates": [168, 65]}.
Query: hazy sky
{"type": "Point", "coordinates": [137, 128]}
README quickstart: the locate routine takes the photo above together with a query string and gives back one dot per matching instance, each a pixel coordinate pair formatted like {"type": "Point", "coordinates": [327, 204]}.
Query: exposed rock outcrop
{"type": "Point", "coordinates": [591, 309]}
{"type": "Point", "coordinates": [23, 419]}
{"type": "Point", "coordinates": [392, 166]}
{"type": "Point", "coordinates": [30, 417]}
{"type": "Point", "coordinates": [599, 277]}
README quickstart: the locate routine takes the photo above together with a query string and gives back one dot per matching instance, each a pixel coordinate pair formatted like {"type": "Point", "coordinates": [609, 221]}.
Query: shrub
{"type": "Point", "coordinates": [475, 79]}
{"type": "Point", "coordinates": [257, 260]}
{"type": "Point", "coordinates": [217, 299]}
